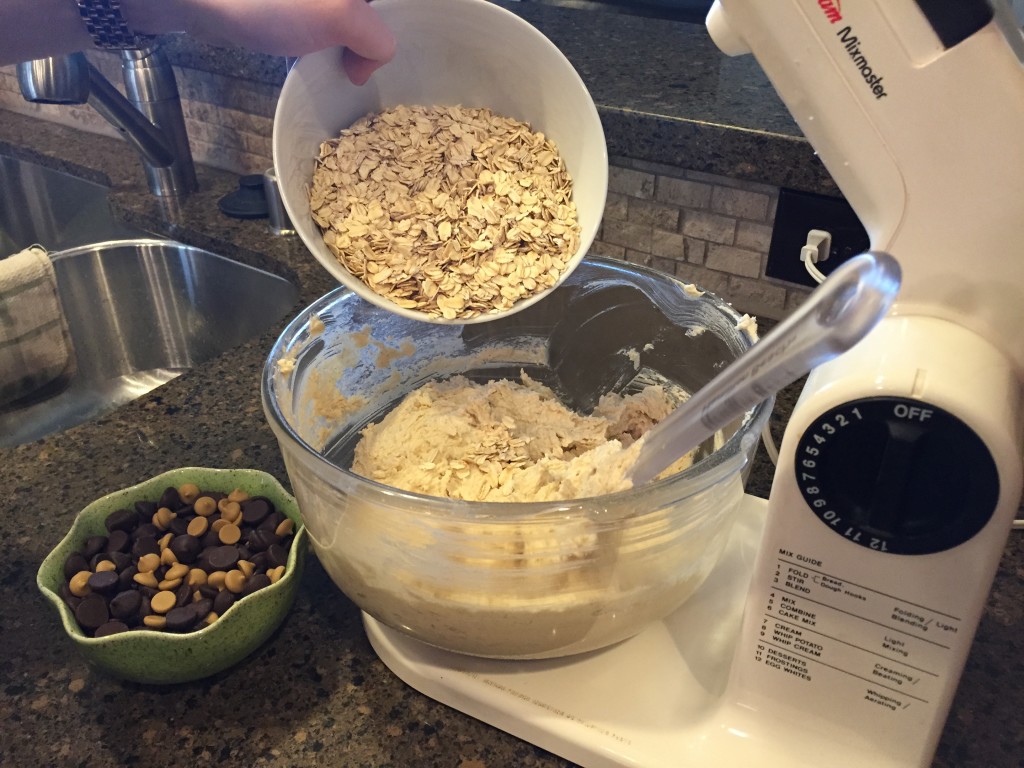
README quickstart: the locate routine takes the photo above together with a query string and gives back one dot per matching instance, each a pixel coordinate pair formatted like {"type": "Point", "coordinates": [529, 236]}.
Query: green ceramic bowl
{"type": "Point", "coordinates": [146, 656]}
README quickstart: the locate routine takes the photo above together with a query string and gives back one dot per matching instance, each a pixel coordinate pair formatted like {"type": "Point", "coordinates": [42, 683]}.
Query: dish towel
{"type": "Point", "coordinates": [35, 346]}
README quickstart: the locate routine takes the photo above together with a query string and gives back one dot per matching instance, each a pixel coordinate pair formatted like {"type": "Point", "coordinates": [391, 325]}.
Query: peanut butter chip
{"type": "Point", "coordinates": [148, 563]}
{"type": "Point", "coordinates": [246, 567]}
{"type": "Point", "coordinates": [197, 527]}
{"type": "Point", "coordinates": [167, 557]}
{"type": "Point", "coordinates": [177, 571]}
{"type": "Point", "coordinates": [196, 577]}
{"type": "Point", "coordinates": [165, 541]}
{"type": "Point", "coordinates": [285, 527]}
{"type": "Point", "coordinates": [169, 584]}
{"type": "Point", "coordinates": [217, 524]}
{"type": "Point", "coordinates": [216, 579]}
{"type": "Point", "coordinates": [79, 584]}
{"type": "Point", "coordinates": [229, 534]}
{"type": "Point", "coordinates": [275, 574]}
{"type": "Point", "coordinates": [210, 618]}
{"type": "Point", "coordinates": [162, 518]}
{"type": "Point", "coordinates": [234, 581]}
{"type": "Point", "coordinates": [189, 492]}
{"type": "Point", "coordinates": [162, 602]}
{"type": "Point", "coordinates": [146, 579]}
{"type": "Point", "coordinates": [230, 510]}
{"type": "Point", "coordinates": [153, 621]}
{"type": "Point", "coordinates": [105, 565]}
{"type": "Point", "coordinates": [204, 506]}
{"type": "Point", "coordinates": [238, 495]}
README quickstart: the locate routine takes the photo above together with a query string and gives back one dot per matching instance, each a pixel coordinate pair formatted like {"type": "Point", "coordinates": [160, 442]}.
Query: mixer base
{"type": "Point", "coordinates": [647, 701]}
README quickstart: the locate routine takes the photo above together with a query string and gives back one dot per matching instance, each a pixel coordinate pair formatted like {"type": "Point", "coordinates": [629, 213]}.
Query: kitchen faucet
{"type": "Point", "coordinates": [150, 118]}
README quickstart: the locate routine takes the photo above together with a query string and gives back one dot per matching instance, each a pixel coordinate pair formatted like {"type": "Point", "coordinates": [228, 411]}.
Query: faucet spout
{"type": "Point", "coordinates": [151, 142]}
{"type": "Point", "coordinates": [150, 118]}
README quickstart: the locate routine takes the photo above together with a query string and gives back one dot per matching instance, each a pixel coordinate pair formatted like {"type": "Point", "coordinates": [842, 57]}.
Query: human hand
{"type": "Point", "coordinates": [294, 28]}
{"type": "Point", "coordinates": [31, 29]}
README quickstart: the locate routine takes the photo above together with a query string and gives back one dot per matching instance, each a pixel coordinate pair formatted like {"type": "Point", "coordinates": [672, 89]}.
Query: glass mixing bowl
{"type": "Point", "coordinates": [512, 580]}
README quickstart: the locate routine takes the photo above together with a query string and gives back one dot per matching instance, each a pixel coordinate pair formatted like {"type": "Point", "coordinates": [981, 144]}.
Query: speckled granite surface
{"type": "Point", "coordinates": [315, 694]}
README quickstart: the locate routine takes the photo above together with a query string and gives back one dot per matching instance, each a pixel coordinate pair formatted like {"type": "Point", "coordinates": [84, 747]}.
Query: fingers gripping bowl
{"type": "Point", "coordinates": [510, 580]}
{"type": "Point", "coordinates": [465, 54]}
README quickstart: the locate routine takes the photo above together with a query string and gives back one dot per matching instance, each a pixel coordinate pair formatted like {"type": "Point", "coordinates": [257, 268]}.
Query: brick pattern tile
{"type": "Point", "coordinates": [706, 229]}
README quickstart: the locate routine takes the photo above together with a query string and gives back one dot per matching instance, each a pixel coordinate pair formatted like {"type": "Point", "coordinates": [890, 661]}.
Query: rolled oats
{"type": "Point", "coordinates": [452, 211]}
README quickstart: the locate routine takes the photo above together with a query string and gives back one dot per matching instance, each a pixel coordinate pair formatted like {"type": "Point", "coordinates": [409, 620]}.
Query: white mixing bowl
{"type": "Point", "coordinates": [467, 53]}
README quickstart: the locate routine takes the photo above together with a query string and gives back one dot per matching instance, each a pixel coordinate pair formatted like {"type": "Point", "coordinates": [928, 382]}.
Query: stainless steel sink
{"type": "Point", "coordinates": [141, 312]}
{"type": "Point", "coordinates": [54, 209]}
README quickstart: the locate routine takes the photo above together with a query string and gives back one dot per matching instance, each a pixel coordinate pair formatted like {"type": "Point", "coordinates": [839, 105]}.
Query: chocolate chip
{"type": "Point", "coordinates": [126, 605]}
{"type": "Point", "coordinates": [76, 562]}
{"type": "Point", "coordinates": [181, 619]}
{"type": "Point", "coordinates": [224, 557]}
{"type": "Point", "coordinates": [118, 541]}
{"type": "Point", "coordinates": [93, 546]}
{"type": "Point", "coordinates": [271, 522]}
{"type": "Point", "coordinates": [104, 582]}
{"type": "Point", "coordinates": [209, 592]}
{"type": "Point", "coordinates": [260, 539]}
{"type": "Point", "coordinates": [146, 508]}
{"type": "Point", "coordinates": [170, 499]}
{"type": "Point", "coordinates": [126, 579]}
{"type": "Point", "coordinates": [121, 560]}
{"type": "Point", "coordinates": [256, 582]}
{"type": "Point", "coordinates": [183, 595]}
{"type": "Point", "coordinates": [145, 545]}
{"type": "Point", "coordinates": [178, 526]}
{"type": "Point", "coordinates": [97, 559]}
{"type": "Point", "coordinates": [255, 510]}
{"type": "Point", "coordinates": [121, 520]}
{"type": "Point", "coordinates": [110, 628]}
{"type": "Point", "coordinates": [147, 531]}
{"type": "Point", "coordinates": [224, 600]}
{"type": "Point", "coordinates": [186, 547]}
{"type": "Point", "coordinates": [277, 555]}
{"type": "Point", "coordinates": [202, 607]}
{"type": "Point", "coordinates": [92, 612]}
{"type": "Point", "coordinates": [65, 594]}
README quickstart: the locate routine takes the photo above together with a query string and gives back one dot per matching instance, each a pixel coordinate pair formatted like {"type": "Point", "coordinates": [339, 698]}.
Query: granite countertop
{"type": "Point", "coordinates": [316, 694]}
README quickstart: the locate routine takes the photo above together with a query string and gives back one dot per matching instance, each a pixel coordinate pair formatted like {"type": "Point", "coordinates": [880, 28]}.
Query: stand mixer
{"type": "Point", "coordinates": [836, 628]}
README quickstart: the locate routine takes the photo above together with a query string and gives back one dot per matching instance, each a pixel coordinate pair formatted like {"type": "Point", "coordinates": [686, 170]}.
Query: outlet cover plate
{"type": "Point", "coordinates": [797, 214]}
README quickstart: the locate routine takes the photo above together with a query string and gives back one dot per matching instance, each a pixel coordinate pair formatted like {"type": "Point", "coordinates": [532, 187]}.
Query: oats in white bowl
{"type": "Point", "coordinates": [452, 211]}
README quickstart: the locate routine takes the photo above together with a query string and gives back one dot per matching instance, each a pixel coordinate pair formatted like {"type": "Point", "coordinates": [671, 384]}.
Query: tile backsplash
{"type": "Point", "coordinates": [705, 229]}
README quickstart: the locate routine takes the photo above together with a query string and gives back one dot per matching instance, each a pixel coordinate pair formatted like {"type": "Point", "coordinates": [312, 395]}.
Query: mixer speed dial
{"type": "Point", "coordinates": [896, 475]}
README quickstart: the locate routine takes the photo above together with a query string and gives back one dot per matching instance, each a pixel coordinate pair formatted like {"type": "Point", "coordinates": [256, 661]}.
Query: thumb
{"type": "Point", "coordinates": [367, 35]}
{"type": "Point", "coordinates": [357, 67]}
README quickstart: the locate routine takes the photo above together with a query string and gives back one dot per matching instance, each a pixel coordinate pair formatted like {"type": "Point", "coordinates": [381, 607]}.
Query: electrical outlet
{"type": "Point", "coordinates": [797, 214]}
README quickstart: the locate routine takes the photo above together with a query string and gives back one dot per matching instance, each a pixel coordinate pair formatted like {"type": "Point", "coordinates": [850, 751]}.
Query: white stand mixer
{"type": "Point", "coordinates": [836, 627]}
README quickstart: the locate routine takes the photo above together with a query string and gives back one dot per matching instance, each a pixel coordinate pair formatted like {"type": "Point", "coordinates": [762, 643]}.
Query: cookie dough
{"type": "Point", "coordinates": [507, 441]}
